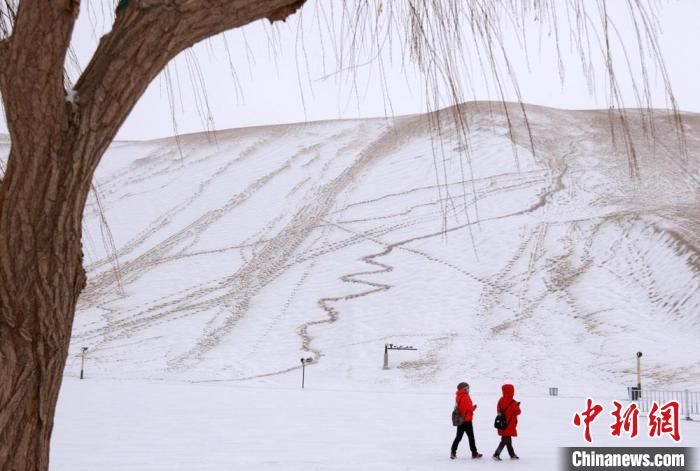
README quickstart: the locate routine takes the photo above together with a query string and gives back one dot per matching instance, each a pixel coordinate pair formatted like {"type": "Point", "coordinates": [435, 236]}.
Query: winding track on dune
{"type": "Point", "coordinates": [327, 303]}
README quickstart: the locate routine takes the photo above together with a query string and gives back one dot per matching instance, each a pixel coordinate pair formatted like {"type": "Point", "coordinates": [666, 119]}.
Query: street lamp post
{"type": "Point", "coordinates": [82, 361]}
{"type": "Point", "coordinates": [639, 374]}
{"type": "Point", "coordinates": [304, 362]}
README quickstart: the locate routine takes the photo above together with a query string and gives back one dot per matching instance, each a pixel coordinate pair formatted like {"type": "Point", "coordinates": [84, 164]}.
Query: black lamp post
{"type": "Point", "coordinates": [304, 362]}
{"type": "Point", "coordinates": [639, 374]}
{"type": "Point", "coordinates": [83, 351]}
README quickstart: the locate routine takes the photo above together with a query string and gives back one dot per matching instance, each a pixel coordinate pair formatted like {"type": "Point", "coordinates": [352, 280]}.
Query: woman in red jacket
{"type": "Point", "coordinates": [466, 410]}
{"type": "Point", "coordinates": [510, 408]}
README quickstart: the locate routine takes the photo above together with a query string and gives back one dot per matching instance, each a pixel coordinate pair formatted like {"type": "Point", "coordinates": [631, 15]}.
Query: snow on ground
{"type": "Point", "coordinates": [167, 426]}
{"type": "Point", "coordinates": [215, 262]}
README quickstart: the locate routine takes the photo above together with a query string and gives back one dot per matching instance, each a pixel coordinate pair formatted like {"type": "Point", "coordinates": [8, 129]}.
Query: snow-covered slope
{"type": "Point", "coordinates": [232, 255]}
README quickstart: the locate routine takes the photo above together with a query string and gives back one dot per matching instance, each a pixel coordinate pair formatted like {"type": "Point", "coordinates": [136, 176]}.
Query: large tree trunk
{"type": "Point", "coordinates": [41, 276]}
{"type": "Point", "coordinates": [41, 272]}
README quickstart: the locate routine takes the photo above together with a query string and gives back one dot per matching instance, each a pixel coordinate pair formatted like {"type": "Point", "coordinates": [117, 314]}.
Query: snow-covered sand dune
{"type": "Point", "coordinates": [216, 262]}
{"type": "Point", "coordinates": [229, 256]}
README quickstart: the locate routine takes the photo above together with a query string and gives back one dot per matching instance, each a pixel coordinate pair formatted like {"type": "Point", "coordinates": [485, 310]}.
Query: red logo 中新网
{"type": "Point", "coordinates": [663, 419]}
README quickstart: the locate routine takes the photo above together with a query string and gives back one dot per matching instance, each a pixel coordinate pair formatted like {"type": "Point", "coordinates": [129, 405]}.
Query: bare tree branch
{"type": "Point", "coordinates": [34, 57]}
{"type": "Point", "coordinates": [144, 38]}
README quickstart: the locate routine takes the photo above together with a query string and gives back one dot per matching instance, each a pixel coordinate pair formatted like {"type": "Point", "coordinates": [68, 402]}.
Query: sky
{"type": "Point", "coordinates": [289, 72]}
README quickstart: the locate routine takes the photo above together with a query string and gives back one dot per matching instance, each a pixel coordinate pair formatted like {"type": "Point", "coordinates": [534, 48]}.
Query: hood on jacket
{"type": "Point", "coordinates": [460, 394]}
{"type": "Point", "coordinates": [508, 391]}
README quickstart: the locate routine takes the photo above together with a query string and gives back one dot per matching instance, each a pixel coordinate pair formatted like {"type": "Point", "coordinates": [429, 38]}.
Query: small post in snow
{"type": "Point", "coordinates": [391, 346]}
{"type": "Point", "coordinates": [304, 362]}
{"type": "Point", "coordinates": [639, 374]}
{"type": "Point", "coordinates": [82, 361]}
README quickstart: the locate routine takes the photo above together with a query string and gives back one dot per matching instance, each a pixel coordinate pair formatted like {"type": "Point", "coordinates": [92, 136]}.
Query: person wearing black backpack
{"type": "Point", "coordinates": [508, 410]}
{"type": "Point", "coordinates": [465, 410]}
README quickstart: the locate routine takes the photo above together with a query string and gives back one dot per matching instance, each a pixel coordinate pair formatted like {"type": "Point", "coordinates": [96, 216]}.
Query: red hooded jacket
{"type": "Point", "coordinates": [465, 405]}
{"type": "Point", "coordinates": [510, 409]}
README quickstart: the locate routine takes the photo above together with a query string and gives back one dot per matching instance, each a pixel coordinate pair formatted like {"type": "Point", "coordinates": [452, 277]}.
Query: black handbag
{"type": "Point", "coordinates": [500, 422]}
{"type": "Point", "coordinates": [457, 418]}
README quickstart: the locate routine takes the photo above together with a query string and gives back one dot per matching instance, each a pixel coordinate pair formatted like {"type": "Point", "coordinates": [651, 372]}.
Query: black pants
{"type": "Point", "coordinates": [467, 428]}
{"type": "Point", "coordinates": [505, 442]}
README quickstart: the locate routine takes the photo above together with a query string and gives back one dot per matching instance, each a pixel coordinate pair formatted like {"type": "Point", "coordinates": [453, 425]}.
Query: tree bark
{"type": "Point", "coordinates": [3, 51]}
{"type": "Point", "coordinates": [56, 147]}
{"type": "Point", "coordinates": [41, 276]}
{"type": "Point", "coordinates": [41, 271]}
